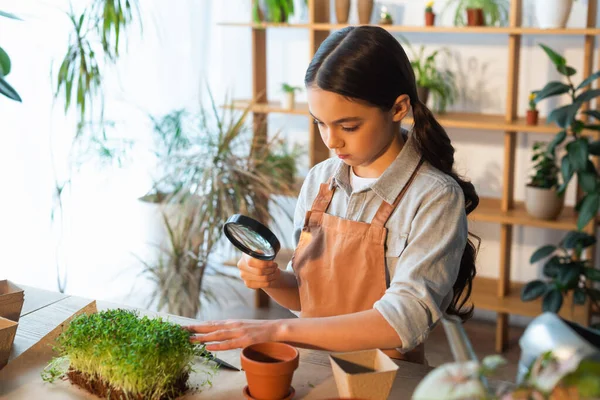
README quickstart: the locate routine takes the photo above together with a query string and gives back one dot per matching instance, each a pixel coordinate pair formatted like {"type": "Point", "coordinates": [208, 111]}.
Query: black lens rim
{"type": "Point", "coordinates": [260, 229]}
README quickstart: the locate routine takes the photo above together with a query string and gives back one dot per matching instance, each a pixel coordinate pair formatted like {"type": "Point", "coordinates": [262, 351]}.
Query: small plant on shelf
{"type": "Point", "coordinates": [385, 18]}
{"type": "Point", "coordinates": [532, 112]}
{"type": "Point", "coordinates": [272, 10]}
{"type": "Point", "coordinates": [429, 14]}
{"type": "Point", "coordinates": [479, 12]}
{"type": "Point", "coordinates": [117, 354]}
{"type": "Point", "coordinates": [542, 199]}
{"type": "Point", "coordinates": [289, 95]}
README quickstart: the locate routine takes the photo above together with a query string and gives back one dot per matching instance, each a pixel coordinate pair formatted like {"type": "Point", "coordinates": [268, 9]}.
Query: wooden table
{"type": "Point", "coordinates": [43, 311]}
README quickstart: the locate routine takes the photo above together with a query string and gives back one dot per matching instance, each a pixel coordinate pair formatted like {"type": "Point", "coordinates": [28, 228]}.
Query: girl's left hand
{"type": "Point", "coordinates": [234, 334]}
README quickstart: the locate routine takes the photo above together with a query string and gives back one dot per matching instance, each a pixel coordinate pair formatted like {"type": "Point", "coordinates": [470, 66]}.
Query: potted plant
{"type": "Point", "coordinates": [429, 14]}
{"type": "Point", "coordinates": [542, 199]}
{"type": "Point", "coordinates": [272, 10]}
{"type": "Point", "coordinates": [117, 354]}
{"type": "Point", "coordinates": [431, 79]}
{"type": "Point", "coordinates": [566, 271]}
{"type": "Point", "coordinates": [289, 96]}
{"type": "Point", "coordinates": [479, 12]}
{"type": "Point", "coordinates": [385, 17]}
{"type": "Point", "coordinates": [552, 14]}
{"type": "Point", "coordinates": [532, 112]}
{"type": "Point", "coordinates": [576, 163]}
{"type": "Point", "coordinates": [217, 169]}
{"type": "Point", "coordinates": [5, 66]}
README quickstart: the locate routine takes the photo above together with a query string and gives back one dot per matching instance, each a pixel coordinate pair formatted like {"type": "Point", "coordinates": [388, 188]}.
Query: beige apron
{"type": "Point", "coordinates": [340, 264]}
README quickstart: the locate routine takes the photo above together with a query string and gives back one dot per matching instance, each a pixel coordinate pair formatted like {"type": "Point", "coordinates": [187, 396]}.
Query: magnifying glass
{"type": "Point", "coordinates": [251, 237]}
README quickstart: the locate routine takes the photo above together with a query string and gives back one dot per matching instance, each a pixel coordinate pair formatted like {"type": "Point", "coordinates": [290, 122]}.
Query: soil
{"type": "Point", "coordinates": [103, 389]}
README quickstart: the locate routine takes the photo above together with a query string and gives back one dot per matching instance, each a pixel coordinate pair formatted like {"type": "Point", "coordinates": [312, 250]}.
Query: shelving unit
{"type": "Point", "coordinates": [499, 295]}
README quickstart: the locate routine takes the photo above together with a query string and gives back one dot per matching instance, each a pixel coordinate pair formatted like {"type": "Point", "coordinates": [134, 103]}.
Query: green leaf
{"type": "Point", "coordinates": [9, 15]}
{"type": "Point", "coordinates": [578, 154]}
{"type": "Point", "coordinates": [593, 113]}
{"type": "Point", "coordinates": [566, 170]}
{"type": "Point", "coordinates": [8, 90]}
{"type": "Point", "coordinates": [579, 296]}
{"type": "Point", "coordinates": [534, 289]}
{"type": "Point", "coordinates": [552, 301]}
{"type": "Point", "coordinates": [588, 181]}
{"type": "Point", "coordinates": [553, 88]}
{"type": "Point", "coordinates": [4, 63]}
{"type": "Point", "coordinates": [554, 57]}
{"type": "Point", "coordinates": [592, 127]}
{"type": "Point", "coordinates": [542, 252]}
{"type": "Point", "coordinates": [566, 70]}
{"type": "Point", "coordinates": [557, 140]}
{"type": "Point", "coordinates": [563, 116]}
{"type": "Point", "coordinates": [588, 80]}
{"type": "Point", "coordinates": [592, 273]}
{"type": "Point", "coordinates": [568, 275]}
{"type": "Point", "coordinates": [552, 267]}
{"type": "Point", "coordinates": [589, 209]}
{"type": "Point", "coordinates": [594, 148]}
{"type": "Point", "coordinates": [587, 96]}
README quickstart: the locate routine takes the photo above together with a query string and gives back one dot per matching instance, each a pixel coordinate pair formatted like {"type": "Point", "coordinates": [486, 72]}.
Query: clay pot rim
{"type": "Point", "coordinates": [290, 396]}
{"type": "Point", "coordinates": [283, 367]}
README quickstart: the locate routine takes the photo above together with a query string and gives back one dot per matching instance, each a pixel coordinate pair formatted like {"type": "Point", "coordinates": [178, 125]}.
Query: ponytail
{"type": "Point", "coordinates": [434, 145]}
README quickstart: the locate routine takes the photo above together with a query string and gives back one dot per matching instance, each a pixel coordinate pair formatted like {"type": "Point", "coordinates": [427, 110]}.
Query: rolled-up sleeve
{"type": "Point", "coordinates": [421, 285]}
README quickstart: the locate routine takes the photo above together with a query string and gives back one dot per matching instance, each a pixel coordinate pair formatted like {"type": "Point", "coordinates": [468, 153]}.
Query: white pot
{"type": "Point", "coordinates": [553, 13]}
{"type": "Point", "coordinates": [543, 203]}
{"type": "Point", "coordinates": [288, 101]}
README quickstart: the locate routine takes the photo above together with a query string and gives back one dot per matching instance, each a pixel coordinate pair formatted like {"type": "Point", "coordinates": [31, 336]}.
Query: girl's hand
{"type": "Point", "coordinates": [258, 274]}
{"type": "Point", "coordinates": [234, 334]}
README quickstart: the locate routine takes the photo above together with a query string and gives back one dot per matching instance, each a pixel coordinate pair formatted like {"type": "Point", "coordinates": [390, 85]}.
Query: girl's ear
{"type": "Point", "coordinates": [400, 108]}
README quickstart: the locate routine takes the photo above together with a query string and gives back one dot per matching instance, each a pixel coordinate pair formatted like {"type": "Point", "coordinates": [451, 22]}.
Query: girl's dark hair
{"type": "Point", "coordinates": [368, 64]}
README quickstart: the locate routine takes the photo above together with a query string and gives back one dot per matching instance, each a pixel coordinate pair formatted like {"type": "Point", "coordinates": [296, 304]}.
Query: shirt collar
{"type": "Point", "coordinates": [394, 178]}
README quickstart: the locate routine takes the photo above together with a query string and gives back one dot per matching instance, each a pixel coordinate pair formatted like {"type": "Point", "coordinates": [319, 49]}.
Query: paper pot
{"type": "Point", "coordinates": [269, 370]}
{"type": "Point", "coordinates": [367, 374]}
{"type": "Point", "coordinates": [11, 300]}
{"type": "Point", "coordinates": [8, 330]}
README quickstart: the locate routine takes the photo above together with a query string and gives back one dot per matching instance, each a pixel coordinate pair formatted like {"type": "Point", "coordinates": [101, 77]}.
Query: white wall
{"type": "Point", "coordinates": [161, 71]}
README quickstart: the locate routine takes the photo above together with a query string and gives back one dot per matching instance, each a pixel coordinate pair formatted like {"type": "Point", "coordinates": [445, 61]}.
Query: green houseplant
{"type": "Point", "coordinates": [532, 111]}
{"type": "Point", "coordinates": [575, 163]}
{"type": "Point", "coordinates": [541, 193]}
{"type": "Point", "coordinates": [215, 170]}
{"type": "Point", "coordinates": [5, 66]}
{"type": "Point", "coordinates": [432, 79]}
{"type": "Point", "coordinates": [479, 12]}
{"type": "Point", "coordinates": [272, 10]}
{"type": "Point", "coordinates": [117, 354]}
{"type": "Point", "coordinates": [289, 95]}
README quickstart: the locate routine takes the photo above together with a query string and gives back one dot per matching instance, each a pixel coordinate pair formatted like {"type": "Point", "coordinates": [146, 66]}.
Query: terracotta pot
{"type": "Point", "coordinates": [475, 17]}
{"type": "Point", "coordinates": [532, 117]}
{"type": "Point", "coordinates": [342, 10]}
{"type": "Point", "coordinates": [423, 94]}
{"type": "Point", "coordinates": [429, 19]}
{"type": "Point", "coordinates": [269, 369]}
{"type": "Point", "coordinates": [365, 10]}
{"type": "Point", "coordinates": [543, 203]}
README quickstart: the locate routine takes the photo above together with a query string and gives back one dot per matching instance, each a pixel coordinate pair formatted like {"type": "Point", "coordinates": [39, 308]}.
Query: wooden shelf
{"type": "Point", "coordinates": [485, 297]}
{"type": "Point", "coordinates": [493, 122]}
{"type": "Point", "coordinates": [489, 211]}
{"type": "Point", "coordinates": [425, 29]}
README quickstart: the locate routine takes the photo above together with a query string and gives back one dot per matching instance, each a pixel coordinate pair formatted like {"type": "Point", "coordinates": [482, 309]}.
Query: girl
{"type": "Point", "coordinates": [381, 229]}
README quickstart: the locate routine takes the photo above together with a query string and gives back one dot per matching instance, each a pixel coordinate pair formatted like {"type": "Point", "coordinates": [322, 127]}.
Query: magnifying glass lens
{"type": "Point", "coordinates": [251, 240]}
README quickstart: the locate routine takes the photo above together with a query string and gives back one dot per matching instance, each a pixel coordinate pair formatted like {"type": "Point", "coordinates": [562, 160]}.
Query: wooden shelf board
{"type": "Point", "coordinates": [489, 211]}
{"type": "Point", "coordinates": [484, 296]}
{"type": "Point", "coordinates": [425, 29]}
{"type": "Point", "coordinates": [448, 120]}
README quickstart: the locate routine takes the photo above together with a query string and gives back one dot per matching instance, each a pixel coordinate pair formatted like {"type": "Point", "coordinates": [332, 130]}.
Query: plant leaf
{"type": "Point", "coordinates": [566, 170]}
{"type": "Point", "coordinates": [551, 267]}
{"type": "Point", "coordinates": [553, 88]}
{"type": "Point", "coordinates": [588, 181]}
{"type": "Point", "coordinates": [592, 273]}
{"type": "Point", "coordinates": [588, 210]}
{"type": "Point", "coordinates": [593, 113]}
{"type": "Point", "coordinates": [588, 80]}
{"type": "Point", "coordinates": [552, 301]}
{"type": "Point", "coordinates": [569, 275]}
{"type": "Point", "coordinates": [587, 95]}
{"type": "Point", "coordinates": [534, 289]}
{"type": "Point", "coordinates": [579, 296]}
{"type": "Point", "coordinates": [9, 15]}
{"type": "Point", "coordinates": [566, 70]}
{"type": "Point", "coordinates": [556, 58]}
{"type": "Point", "coordinates": [4, 63]}
{"type": "Point", "coordinates": [578, 154]}
{"type": "Point", "coordinates": [542, 252]}
{"type": "Point", "coordinates": [8, 90]}
{"type": "Point", "coordinates": [563, 116]}
{"type": "Point", "coordinates": [558, 139]}
{"type": "Point", "coordinates": [594, 148]}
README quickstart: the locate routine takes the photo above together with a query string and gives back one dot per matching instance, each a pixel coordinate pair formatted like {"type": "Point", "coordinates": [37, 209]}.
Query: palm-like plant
{"type": "Point", "coordinates": [218, 170]}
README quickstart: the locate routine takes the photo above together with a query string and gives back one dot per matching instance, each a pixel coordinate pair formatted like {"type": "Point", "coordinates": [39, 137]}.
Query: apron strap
{"type": "Point", "coordinates": [324, 197]}
{"type": "Point", "coordinates": [386, 209]}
